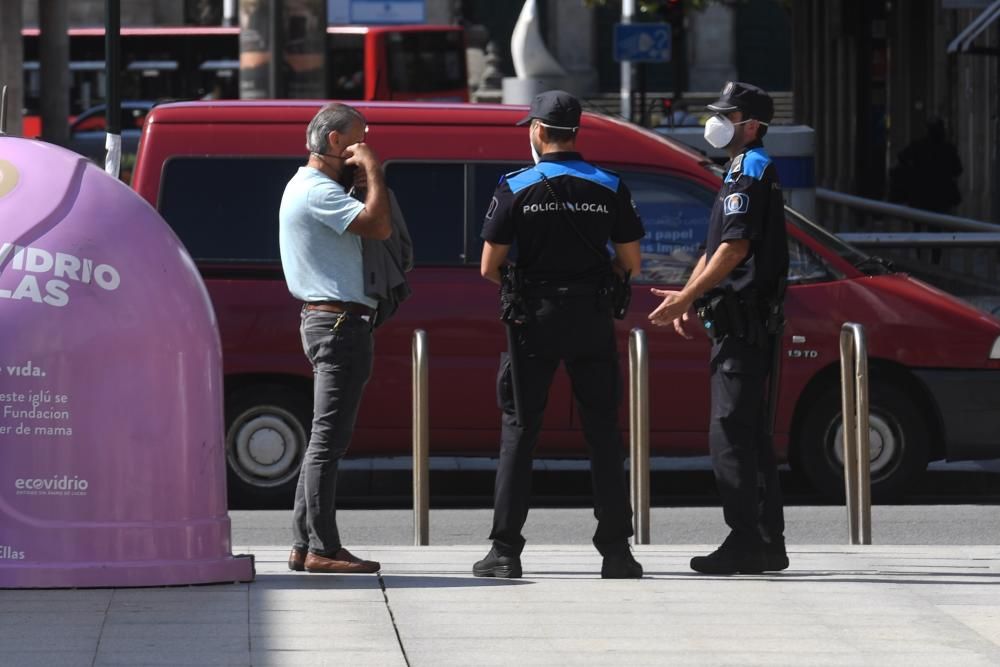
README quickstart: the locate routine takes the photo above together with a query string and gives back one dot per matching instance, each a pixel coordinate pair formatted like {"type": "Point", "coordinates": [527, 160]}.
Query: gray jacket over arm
{"type": "Point", "coordinates": [385, 265]}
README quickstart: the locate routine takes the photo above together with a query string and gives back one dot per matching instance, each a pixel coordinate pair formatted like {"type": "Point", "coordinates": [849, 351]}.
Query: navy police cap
{"type": "Point", "coordinates": [745, 97]}
{"type": "Point", "coordinates": [554, 107]}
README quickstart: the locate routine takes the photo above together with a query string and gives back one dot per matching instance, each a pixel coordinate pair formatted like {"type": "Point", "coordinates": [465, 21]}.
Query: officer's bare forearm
{"type": "Point", "coordinates": [699, 267]}
{"type": "Point", "coordinates": [628, 257]}
{"type": "Point", "coordinates": [494, 256]}
{"type": "Point", "coordinates": [724, 260]}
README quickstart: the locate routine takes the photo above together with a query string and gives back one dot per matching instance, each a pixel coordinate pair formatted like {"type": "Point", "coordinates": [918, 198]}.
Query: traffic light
{"type": "Point", "coordinates": [674, 11]}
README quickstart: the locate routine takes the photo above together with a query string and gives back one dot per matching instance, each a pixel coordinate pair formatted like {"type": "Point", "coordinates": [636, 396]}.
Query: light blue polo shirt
{"type": "Point", "coordinates": [320, 257]}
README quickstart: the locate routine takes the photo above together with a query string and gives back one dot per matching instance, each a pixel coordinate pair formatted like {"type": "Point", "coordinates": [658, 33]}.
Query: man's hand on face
{"type": "Point", "coordinates": [360, 155]}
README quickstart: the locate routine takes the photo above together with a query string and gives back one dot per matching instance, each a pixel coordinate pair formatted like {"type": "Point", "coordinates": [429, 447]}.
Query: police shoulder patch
{"type": "Point", "coordinates": [736, 203]}
{"type": "Point", "coordinates": [737, 164]}
{"type": "Point", "coordinates": [734, 169]}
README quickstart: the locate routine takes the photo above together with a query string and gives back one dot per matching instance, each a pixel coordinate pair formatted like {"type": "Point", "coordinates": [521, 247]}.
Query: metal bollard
{"type": "Point", "coordinates": [857, 454]}
{"type": "Point", "coordinates": [3, 110]}
{"type": "Point", "coordinates": [421, 442]}
{"type": "Point", "coordinates": [638, 365]}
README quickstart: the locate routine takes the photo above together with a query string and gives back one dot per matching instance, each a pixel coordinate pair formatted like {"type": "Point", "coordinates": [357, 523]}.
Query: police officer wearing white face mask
{"type": "Point", "coordinates": [737, 289]}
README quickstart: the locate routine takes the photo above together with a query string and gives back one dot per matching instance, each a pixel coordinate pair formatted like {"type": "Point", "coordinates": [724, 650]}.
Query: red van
{"type": "Point", "coordinates": [216, 172]}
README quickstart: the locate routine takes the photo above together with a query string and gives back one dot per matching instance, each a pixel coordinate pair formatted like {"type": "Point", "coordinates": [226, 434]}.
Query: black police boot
{"type": "Point", "coordinates": [621, 566]}
{"type": "Point", "coordinates": [775, 557]}
{"type": "Point", "coordinates": [732, 558]}
{"type": "Point", "coordinates": [495, 565]}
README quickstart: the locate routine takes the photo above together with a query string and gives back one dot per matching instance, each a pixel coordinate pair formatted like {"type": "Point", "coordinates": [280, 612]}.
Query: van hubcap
{"type": "Point", "coordinates": [265, 446]}
{"type": "Point", "coordinates": [883, 443]}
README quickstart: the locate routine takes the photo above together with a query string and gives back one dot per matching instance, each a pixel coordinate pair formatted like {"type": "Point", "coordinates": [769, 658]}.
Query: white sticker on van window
{"type": "Point", "coordinates": [493, 208]}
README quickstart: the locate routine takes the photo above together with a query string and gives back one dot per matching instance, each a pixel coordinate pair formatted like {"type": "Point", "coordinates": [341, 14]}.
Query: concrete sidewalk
{"type": "Point", "coordinates": [879, 605]}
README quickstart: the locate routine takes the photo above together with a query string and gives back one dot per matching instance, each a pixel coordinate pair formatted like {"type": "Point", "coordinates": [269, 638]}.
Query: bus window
{"type": "Point", "coordinates": [219, 79]}
{"type": "Point", "coordinates": [32, 90]}
{"type": "Point", "coordinates": [426, 62]}
{"type": "Point", "coordinates": [150, 80]}
{"type": "Point", "coordinates": [87, 85]}
{"type": "Point", "coordinates": [346, 66]}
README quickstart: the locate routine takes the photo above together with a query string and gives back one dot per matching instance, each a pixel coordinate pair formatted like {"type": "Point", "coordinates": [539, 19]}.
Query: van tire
{"type": "Point", "coordinates": [267, 431]}
{"type": "Point", "coordinates": [899, 441]}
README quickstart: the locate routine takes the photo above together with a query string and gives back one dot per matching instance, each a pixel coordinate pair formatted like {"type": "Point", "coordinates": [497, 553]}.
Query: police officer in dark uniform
{"type": "Point", "coordinates": [558, 306]}
{"type": "Point", "coordinates": [737, 288]}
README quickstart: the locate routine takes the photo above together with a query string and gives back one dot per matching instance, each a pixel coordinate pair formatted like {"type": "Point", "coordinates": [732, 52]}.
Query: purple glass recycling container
{"type": "Point", "coordinates": [112, 468]}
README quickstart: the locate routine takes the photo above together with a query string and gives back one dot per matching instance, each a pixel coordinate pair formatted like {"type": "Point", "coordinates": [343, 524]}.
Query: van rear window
{"type": "Point", "coordinates": [225, 209]}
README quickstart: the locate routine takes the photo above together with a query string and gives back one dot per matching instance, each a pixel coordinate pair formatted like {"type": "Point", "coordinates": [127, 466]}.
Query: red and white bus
{"type": "Point", "coordinates": [414, 62]}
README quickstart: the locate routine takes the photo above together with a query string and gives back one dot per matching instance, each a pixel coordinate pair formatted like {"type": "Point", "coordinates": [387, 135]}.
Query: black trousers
{"type": "Point", "coordinates": [578, 331]}
{"type": "Point", "coordinates": [742, 452]}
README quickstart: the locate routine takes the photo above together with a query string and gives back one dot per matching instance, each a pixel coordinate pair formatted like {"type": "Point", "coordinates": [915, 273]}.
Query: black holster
{"type": "Point", "coordinates": [620, 290]}
{"type": "Point", "coordinates": [743, 314]}
{"type": "Point", "coordinates": [513, 307]}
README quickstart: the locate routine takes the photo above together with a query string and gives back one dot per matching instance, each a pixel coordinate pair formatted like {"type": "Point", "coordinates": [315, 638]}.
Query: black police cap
{"type": "Point", "coordinates": [751, 100]}
{"type": "Point", "coordinates": [554, 107]}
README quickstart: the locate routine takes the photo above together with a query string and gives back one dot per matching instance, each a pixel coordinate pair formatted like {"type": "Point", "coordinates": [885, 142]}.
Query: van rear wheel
{"type": "Point", "coordinates": [898, 442]}
{"type": "Point", "coordinates": [267, 431]}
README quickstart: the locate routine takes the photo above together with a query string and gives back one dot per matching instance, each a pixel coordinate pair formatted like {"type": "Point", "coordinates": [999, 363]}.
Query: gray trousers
{"type": "Point", "coordinates": [339, 347]}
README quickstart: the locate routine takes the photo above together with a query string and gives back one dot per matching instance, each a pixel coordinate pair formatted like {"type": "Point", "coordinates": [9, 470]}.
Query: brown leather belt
{"type": "Point", "coordinates": [358, 309]}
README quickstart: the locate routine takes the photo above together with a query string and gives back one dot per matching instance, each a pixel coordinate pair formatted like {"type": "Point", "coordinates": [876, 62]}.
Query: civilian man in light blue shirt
{"type": "Point", "coordinates": [320, 232]}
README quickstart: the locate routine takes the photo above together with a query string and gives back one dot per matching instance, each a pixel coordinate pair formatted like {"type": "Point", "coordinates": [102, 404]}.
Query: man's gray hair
{"type": "Point", "coordinates": [333, 117]}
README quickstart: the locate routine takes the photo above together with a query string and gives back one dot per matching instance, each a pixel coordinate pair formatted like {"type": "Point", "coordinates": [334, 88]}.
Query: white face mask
{"type": "Point", "coordinates": [719, 130]}
{"type": "Point", "coordinates": [534, 152]}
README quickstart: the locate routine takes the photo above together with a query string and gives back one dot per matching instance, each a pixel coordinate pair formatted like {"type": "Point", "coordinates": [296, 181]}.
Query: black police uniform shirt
{"type": "Point", "coordinates": [750, 207]}
{"type": "Point", "coordinates": [595, 200]}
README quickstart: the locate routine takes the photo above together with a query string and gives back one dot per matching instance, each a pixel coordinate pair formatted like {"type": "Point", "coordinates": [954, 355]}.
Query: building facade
{"type": "Point", "coordinates": [869, 75]}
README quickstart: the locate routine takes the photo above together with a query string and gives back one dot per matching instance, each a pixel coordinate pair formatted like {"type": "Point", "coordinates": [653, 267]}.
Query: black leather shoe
{"type": "Point", "coordinates": [731, 559]}
{"type": "Point", "coordinates": [621, 566]}
{"type": "Point", "coordinates": [775, 557]}
{"type": "Point", "coordinates": [495, 565]}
